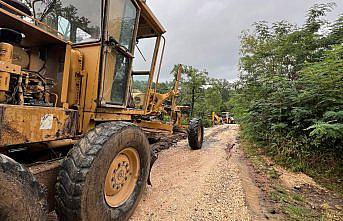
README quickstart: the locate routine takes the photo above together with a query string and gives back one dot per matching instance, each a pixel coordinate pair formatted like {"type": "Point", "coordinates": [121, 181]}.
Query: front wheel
{"type": "Point", "coordinates": [195, 134]}
{"type": "Point", "coordinates": [105, 174]}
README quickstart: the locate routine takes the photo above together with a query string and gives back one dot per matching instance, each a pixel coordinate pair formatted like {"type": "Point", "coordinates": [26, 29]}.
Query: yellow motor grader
{"type": "Point", "coordinates": [72, 124]}
{"type": "Point", "coordinates": [216, 120]}
{"type": "Point", "coordinates": [225, 118]}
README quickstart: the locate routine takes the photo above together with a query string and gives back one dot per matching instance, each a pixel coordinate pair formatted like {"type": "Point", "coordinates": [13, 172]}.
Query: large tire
{"type": "Point", "coordinates": [81, 181]}
{"type": "Point", "coordinates": [195, 134]}
{"type": "Point", "coordinates": [21, 196]}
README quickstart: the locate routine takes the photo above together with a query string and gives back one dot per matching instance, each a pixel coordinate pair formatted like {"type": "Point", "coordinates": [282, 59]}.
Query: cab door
{"type": "Point", "coordinates": [120, 33]}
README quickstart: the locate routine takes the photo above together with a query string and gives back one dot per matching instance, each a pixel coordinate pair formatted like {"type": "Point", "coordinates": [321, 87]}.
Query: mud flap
{"type": "Point", "coordinates": [154, 157]}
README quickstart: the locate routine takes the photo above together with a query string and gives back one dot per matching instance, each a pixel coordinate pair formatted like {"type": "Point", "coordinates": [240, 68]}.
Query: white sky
{"type": "Point", "coordinates": [205, 33]}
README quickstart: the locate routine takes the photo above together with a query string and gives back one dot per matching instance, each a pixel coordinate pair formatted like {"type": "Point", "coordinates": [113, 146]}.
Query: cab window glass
{"type": "Point", "coordinates": [122, 17]}
{"type": "Point", "coordinates": [139, 89]}
{"type": "Point", "coordinates": [122, 20]}
{"type": "Point", "coordinates": [119, 84]}
{"type": "Point", "coordinates": [82, 16]}
{"type": "Point", "coordinates": [64, 27]}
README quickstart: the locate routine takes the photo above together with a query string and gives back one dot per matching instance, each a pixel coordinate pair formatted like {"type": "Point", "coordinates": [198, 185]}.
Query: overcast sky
{"type": "Point", "coordinates": [205, 33]}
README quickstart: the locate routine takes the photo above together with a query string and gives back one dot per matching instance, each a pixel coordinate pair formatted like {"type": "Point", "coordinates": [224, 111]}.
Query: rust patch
{"type": "Point", "coordinates": [22, 124]}
{"type": "Point", "coordinates": [9, 133]}
{"type": "Point", "coordinates": [71, 124]}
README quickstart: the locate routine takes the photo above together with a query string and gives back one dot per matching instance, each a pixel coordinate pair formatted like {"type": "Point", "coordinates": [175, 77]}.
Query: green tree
{"type": "Point", "coordinates": [289, 96]}
{"type": "Point", "coordinates": [192, 86]}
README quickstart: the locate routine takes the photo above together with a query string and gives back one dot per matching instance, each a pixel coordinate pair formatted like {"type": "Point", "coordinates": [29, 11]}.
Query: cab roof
{"type": "Point", "coordinates": [149, 25]}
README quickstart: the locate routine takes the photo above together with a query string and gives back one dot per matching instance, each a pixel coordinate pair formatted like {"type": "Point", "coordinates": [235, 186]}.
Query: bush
{"type": "Point", "coordinates": [290, 95]}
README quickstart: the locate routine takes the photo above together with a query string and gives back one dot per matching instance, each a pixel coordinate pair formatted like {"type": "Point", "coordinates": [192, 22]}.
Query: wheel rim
{"type": "Point", "coordinates": [122, 176]}
{"type": "Point", "coordinates": [199, 135]}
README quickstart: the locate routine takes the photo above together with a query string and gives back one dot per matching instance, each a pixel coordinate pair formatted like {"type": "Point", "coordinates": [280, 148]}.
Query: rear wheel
{"type": "Point", "coordinates": [21, 196]}
{"type": "Point", "coordinates": [105, 174]}
{"type": "Point", "coordinates": [195, 134]}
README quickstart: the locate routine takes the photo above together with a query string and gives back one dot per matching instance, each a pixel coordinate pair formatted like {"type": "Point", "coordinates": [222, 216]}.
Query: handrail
{"type": "Point", "coordinates": [160, 64]}
{"type": "Point", "coordinates": [159, 70]}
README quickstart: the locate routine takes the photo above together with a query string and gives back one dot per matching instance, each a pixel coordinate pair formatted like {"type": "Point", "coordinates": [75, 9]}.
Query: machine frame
{"type": "Point", "coordinates": [62, 127]}
{"type": "Point", "coordinates": [84, 67]}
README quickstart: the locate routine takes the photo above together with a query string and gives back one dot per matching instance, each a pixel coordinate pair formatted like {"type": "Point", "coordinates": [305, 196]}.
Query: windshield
{"type": "Point", "coordinates": [77, 21]}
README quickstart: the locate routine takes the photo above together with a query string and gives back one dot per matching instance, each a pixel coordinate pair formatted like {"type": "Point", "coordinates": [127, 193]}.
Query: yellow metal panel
{"type": "Point", "coordinates": [103, 117]}
{"type": "Point", "coordinates": [88, 122]}
{"type": "Point", "coordinates": [6, 52]}
{"type": "Point", "coordinates": [65, 82]}
{"type": "Point", "coordinates": [89, 87]}
{"type": "Point", "coordinates": [75, 78]}
{"type": "Point", "coordinates": [4, 81]}
{"type": "Point", "coordinates": [91, 61]}
{"type": "Point", "coordinates": [120, 111]}
{"type": "Point", "coordinates": [155, 125]}
{"type": "Point", "coordinates": [24, 124]}
{"type": "Point", "coordinates": [10, 68]}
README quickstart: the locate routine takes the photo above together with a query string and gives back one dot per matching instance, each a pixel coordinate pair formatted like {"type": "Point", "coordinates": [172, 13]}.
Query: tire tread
{"type": "Point", "coordinates": [25, 177]}
{"type": "Point", "coordinates": [76, 166]}
{"type": "Point", "coordinates": [193, 127]}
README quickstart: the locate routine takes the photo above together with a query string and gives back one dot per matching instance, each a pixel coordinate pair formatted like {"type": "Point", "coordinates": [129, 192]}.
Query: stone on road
{"type": "Point", "coordinates": [197, 185]}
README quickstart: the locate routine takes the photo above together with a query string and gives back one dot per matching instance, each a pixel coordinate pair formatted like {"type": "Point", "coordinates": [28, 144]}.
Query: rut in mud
{"type": "Point", "coordinates": [209, 184]}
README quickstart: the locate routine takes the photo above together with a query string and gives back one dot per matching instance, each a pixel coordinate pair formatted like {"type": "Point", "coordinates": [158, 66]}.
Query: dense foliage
{"type": "Point", "coordinates": [290, 94]}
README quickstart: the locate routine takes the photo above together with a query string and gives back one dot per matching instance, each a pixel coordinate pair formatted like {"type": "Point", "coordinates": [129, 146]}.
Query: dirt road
{"type": "Point", "coordinates": [209, 184]}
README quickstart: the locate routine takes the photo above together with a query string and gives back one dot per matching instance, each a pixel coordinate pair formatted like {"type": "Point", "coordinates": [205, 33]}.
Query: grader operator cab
{"type": "Point", "coordinates": [72, 123]}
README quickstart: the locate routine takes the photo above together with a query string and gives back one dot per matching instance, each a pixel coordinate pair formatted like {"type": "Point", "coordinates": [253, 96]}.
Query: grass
{"type": "Point", "coordinates": [327, 174]}
{"type": "Point", "coordinates": [298, 213]}
{"type": "Point", "coordinates": [291, 204]}
{"type": "Point", "coordinates": [298, 197]}
{"type": "Point", "coordinates": [325, 167]}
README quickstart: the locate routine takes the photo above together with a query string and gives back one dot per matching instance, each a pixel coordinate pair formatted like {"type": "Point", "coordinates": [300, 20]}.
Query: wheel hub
{"type": "Point", "coordinates": [122, 177]}
{"type": "Point", "coordinates": [120, 174]}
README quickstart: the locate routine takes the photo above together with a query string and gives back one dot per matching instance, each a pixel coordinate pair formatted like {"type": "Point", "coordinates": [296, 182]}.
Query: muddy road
{"type": "Point", "coordinates": [209, 184]}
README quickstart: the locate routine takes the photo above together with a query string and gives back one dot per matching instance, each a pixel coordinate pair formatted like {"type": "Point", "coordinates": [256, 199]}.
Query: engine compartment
{"type": "Point", "coordinates": [29, 75]}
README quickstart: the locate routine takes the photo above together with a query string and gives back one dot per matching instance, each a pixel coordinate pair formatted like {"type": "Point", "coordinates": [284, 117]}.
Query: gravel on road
{"type": "Point", "coordinates": [198, 185]}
